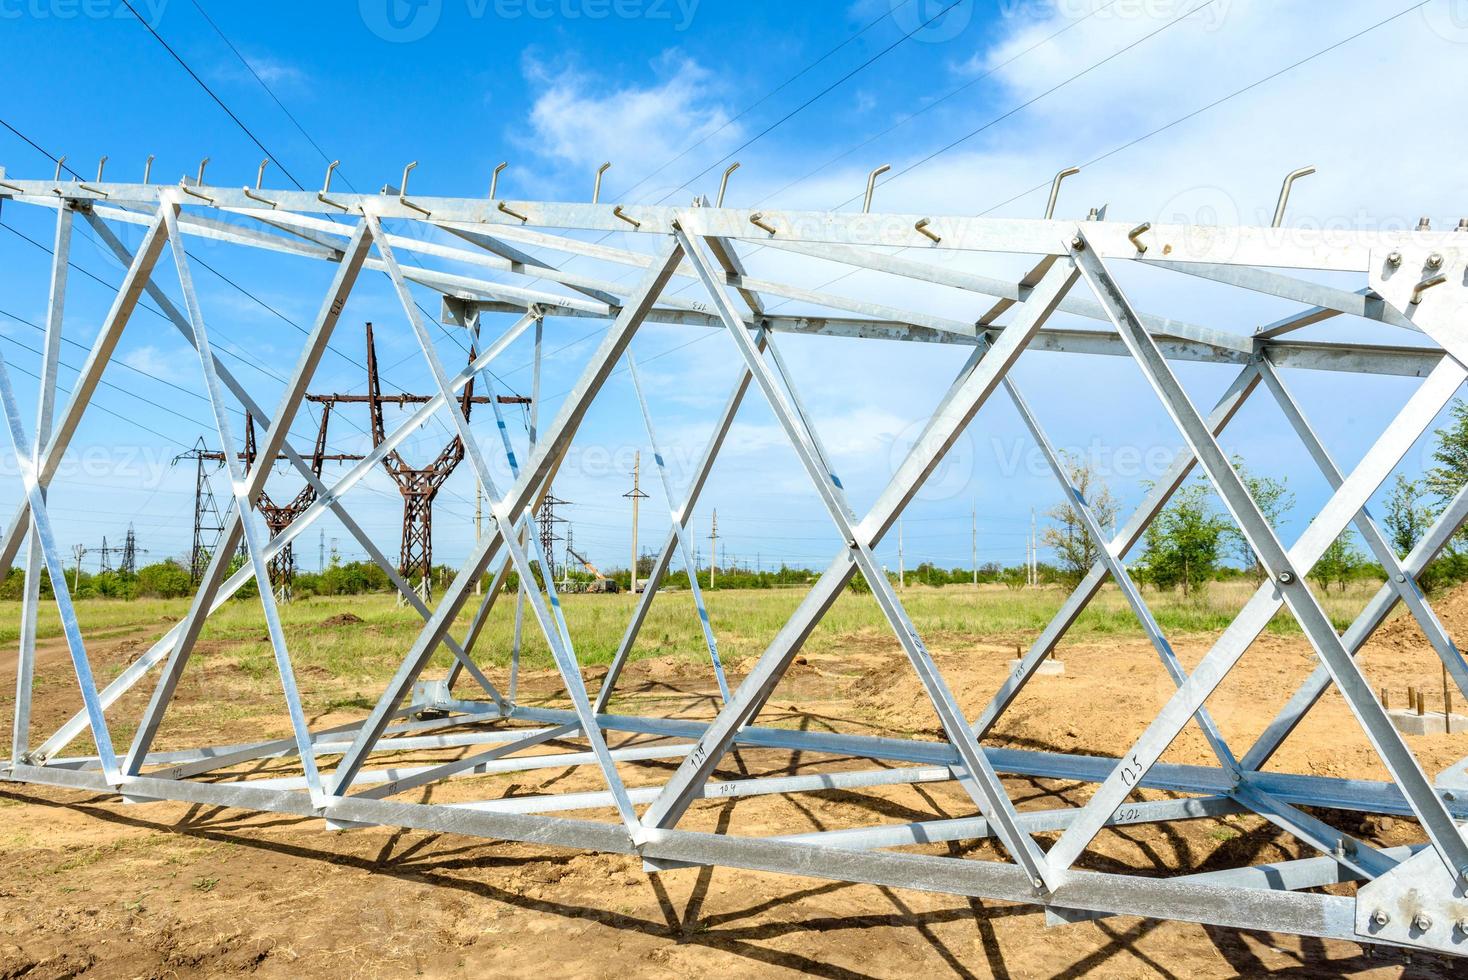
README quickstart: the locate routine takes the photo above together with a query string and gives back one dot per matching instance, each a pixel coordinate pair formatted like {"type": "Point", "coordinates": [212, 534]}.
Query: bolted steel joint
{"type": "Point", "coordinates": [1394, 259]}
{"type": "Point", "coordinates": [1286, 577]}
{"type": "Point", "coordinates": [1435, 261]}
{"type": "Point", "coordinates": [1380, 917]}
{"type": "Point", "coordinates": [1077, 243]}
{"type": "Point", "coordinates": [1422, 921]}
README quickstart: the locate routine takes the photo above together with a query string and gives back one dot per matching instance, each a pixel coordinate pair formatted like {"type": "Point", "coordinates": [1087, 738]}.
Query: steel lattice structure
{"type": "Point", "coordinates": [1410, 282]}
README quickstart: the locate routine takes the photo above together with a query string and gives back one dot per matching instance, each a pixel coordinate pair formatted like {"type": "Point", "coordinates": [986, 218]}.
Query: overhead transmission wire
{"type": "Point", "coordinates": [766, 97]}
{"type": "Point", "coordinates": [250, 68]}
{"type": "Point", "coordinates": [1160, 129]}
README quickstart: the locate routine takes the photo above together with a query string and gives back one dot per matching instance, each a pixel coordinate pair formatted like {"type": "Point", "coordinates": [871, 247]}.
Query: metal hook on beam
{"type": "Point", "coordinates": [724, 182]}
{"type": "Point", "coordinates": [1136, 233]}
{"type": "Point", "coordinates": [758, 220]}
{"type": "Point", "coordinates": [183, 182]}
{"type": "Point", "coordinates": [1425, 285]}
{"type": "Point", "coordinates": [1055, 190]}
{"type": "Point", "coordinates": [403, 191]}
{"type": "Point", "coordinates": [326, 187]}
{"type": "Point", "coordinates": [148, 168]}
{"type": "Point", "coordinates": [596, 188]}
{"type": "Point", "coordinates": [922, 229]}
{"type": "Point", "coordinates": [259, 178]}
{"type": "Point", "coordinates": [494, 179]}
{"type": "Point", "coordinates": [1284, 193]}
{"type": "Point", "coordinates": [101, 165]}
{"type": "Point", "coordinates": [506, 209]}
{"type": "Point", "coordinates": [59, 164]}
{"type": "Point", "coordinates": [866, 203]}
{"type": "Point", "coordinates": [618, 212]}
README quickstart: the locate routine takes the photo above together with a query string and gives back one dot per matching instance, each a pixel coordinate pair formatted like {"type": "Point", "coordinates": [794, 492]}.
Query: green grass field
{"type": "Point", "coordinates": [743, 620]}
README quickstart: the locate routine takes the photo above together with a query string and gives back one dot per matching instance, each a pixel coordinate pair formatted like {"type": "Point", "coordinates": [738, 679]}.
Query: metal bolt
{"type": "Point", "coordinates": [1394, 259]}
{"type": "Point", "coordinates": [1424, 225]}
{"type": "Point", "coordinates": [1286, 578]}
{"type": "Point", "coordinates": [1077, 244]}
{"type": "Point", "coordinates": [1401, 577]}
{"type": "Point", "coordinates": [1422, 921]}
{"type": "Point", "coordinates": [1380, 917]}
{"type": "Point", "coordinates": [1462, 224]}
{"type": "Point", "coordinates": [1462, 926]}
{"type": "Point", "coordinates": [1435, 261]}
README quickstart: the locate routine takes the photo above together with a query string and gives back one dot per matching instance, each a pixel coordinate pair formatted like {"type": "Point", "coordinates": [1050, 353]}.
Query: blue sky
{"type": "Point", "coordinates": [670, 92]}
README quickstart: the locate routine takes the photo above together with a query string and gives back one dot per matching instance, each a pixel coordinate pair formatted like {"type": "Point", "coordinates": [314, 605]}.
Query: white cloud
{"type": "Point", "coordinates": [579, 121]}
{"type": "Point", "coordinates": [180, 365]}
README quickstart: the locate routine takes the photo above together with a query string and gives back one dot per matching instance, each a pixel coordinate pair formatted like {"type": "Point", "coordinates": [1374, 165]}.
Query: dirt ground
{"type": "Point", "coordinates": [93, 886]}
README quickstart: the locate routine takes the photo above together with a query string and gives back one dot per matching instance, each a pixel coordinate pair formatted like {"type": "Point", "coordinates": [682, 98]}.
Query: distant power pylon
{"type": "Point", "coordinates": [208, 524]}
{"type": "Point", "coordinates": [130, 549]}
{"type": "Point", "coordinates": [278, 517]}
{"type": "Point", "coordinates": [418, 485]}
{"type": "Point", "coordinates": [547, 520]}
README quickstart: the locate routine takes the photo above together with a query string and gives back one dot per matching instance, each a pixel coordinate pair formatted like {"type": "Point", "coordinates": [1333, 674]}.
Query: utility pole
{"type": "Point", "coordinates": [478, 526]}
{"type": "Point", "coordinates": [105, 565]}
{"type": "Point", "coordinates": [78, 550]}
{"type": "Point", "coordinates": [901, 567]}
{"type": "Point", "coordinates": [1034, 551]}
{"type": "Point", "coordinates": [321, 550]}
{"type": "Point", "coordinates": [636, 495]}
{"type": "Point", "coordinates": [714, 549]}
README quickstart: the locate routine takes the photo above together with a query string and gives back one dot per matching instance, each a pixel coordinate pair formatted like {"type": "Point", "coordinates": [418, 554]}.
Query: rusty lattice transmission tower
{"type": "Point", "coordinates": [277, 516]}
{"type": "Point", "coordinates": [419, 485]}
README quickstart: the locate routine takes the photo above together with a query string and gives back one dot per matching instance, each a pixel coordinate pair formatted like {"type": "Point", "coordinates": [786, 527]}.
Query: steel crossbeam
{"type": "Point", "coordinates": [490, 258]}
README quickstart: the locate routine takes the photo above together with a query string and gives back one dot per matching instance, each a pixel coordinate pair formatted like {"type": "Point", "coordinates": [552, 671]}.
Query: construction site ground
{"type": "Point", "coordinates": [92, 886]}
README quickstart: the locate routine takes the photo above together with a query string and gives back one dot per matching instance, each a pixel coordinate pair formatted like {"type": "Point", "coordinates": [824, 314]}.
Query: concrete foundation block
{"type": "Point", "coordinates": [1431, 723]}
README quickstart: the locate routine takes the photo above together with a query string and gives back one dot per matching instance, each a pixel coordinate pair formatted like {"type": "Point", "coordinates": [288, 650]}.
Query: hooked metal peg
{"type": "Point", "coordinates": [101, 164]}
{"type": "Point", "coordinates": [724, 183]}
{"type": "Point", "coordinates": [596, 188]}
{"type": "Point", "coordinates": [1424, 286]}
{"type": "Point", "coordinates": [1055, 190]}
{"type": "Point", "coordinates": [922, 229]}
{"type": "Point", "coordinates": [618, 212]}
{"type": "Point", "coordinates": [1136, 233]}
{"type": "Point", "coordinates": [1284, 193]}
{"type": "Point", "coordinates": [506, 209]}
{"type": "Point", "coordinates": [148, 168]}
{"type": "Point", "coordinates": [183, 183]}
{"type": "Point", "coordinates": [494, 179]}
{"type": "Point", "coordinates": [326, 187]}
{"type": "Point", "coordinates": [59, 164]}
{"type": "Point", "coordinates": [403, 191]}
{"type": "Point", "coordinates": [758, 220]}
{"type": "Point", "coordinates": [866, 204]}
{"type": "Point", "coordinates": [259, 177]}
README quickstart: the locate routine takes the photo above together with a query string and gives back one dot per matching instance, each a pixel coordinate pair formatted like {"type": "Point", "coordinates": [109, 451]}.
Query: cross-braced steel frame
{"type": "Point", "coordinates": [1415, 287]}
